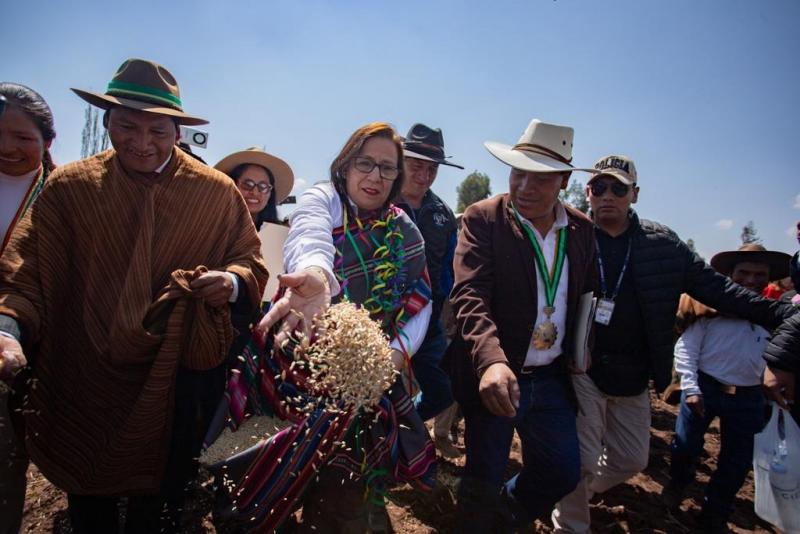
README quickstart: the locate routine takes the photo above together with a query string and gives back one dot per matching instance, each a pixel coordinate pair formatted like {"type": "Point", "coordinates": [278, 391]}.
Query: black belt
{"type": "Point", "coordinates": [541, 369]}
{"type": "Point", "coordinates": [727, 389]}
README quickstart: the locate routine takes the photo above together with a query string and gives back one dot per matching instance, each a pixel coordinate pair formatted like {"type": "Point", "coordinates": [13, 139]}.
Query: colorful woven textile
{"type": "Point", "coordinates": [390, 442]}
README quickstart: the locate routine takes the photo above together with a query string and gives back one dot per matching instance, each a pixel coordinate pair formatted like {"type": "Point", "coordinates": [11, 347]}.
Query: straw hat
{"type": "Point", "coordinates": [284, 177]}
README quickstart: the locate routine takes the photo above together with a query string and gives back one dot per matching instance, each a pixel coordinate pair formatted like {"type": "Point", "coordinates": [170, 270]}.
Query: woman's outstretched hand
{"type": "Point", "coordinates": [307, 295]}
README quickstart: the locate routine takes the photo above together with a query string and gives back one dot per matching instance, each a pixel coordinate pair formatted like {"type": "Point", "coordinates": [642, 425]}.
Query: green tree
{"type": "Point", "coordinates": [475, 187]}
{"type": "Point", "coordinates": [749, 234]}
{"type": "Point", "coordinates": [575, 196]}
{"type": "Point", "coordinates": [94, 137]}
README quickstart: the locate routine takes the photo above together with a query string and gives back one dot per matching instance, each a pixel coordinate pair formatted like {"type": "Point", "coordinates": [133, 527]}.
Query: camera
{"type": "Point", "coordinates": [190, 136]}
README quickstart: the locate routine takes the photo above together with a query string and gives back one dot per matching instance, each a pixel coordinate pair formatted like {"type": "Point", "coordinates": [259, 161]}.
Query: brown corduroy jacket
{"type": "Point", "coordinates": [495, 292]}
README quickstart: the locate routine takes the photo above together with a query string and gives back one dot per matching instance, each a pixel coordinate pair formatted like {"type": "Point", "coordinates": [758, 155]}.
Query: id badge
{"type": "Point", "coordinates": [605, 309]}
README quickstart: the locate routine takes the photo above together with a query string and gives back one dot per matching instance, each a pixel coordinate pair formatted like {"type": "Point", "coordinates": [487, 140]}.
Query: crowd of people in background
{"type": "Point", "coordinates": [132, 281]}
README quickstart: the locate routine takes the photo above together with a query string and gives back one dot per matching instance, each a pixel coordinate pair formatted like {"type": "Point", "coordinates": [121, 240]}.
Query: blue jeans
{"type": "Point", "coordinates": [546, 424]}
{"type": "Point", "coordinates": [741, 416]}
{"type": "Point", "coordinates": [435, 393]}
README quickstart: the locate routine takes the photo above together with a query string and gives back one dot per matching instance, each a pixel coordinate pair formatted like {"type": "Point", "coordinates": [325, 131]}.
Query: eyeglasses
{"type": "Point", "coordinates": [248, 185]}
{"type": "Point", "coordinates": [365, 165]}
{"type": "Point", "coordinates": [619, 189]}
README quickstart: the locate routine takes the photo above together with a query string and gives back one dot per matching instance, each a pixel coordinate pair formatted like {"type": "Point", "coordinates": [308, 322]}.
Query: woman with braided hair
{"type": "Point", "coordinates": [26, 132]}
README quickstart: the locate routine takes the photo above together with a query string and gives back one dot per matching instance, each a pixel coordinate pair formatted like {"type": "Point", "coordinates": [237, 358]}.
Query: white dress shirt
{"type": "Point", "coordinates": [728, 349]}
{"type": "Point", "coordinates": [559, 317]}
{"type": "Point", "coordinates": [310, 244]}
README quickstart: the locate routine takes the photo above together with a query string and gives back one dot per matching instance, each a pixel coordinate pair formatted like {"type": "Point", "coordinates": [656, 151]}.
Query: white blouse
{"type": "Point", "coordinates": [12, 193]}
{"type": "Point", "coordinates": [310, 244]}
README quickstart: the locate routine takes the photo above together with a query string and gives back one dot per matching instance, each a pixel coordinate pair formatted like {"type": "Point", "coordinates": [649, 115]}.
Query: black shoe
{"type": "Point", "coordinates": [711, 523]}
{"type": "Point", "coordinates": [672, 496]}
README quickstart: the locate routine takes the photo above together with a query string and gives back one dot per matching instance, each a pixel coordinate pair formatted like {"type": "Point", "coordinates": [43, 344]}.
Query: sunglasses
{"type": "Point", "coordinates": [365, 165]}
{"type": "Point", "coordinates": [248, 185]}
{"type": "Point", "coordinates": [619, 189]}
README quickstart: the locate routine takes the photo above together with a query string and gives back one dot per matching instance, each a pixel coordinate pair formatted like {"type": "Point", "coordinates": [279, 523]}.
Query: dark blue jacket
{"type": "Point", "coordinates": [664, 267]}
{"type": "Point", "coordinates": [437, 224]}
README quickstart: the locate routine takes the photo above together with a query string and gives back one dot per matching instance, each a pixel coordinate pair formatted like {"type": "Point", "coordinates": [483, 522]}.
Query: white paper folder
{"type": "Point", "coordinates": [587, 305]}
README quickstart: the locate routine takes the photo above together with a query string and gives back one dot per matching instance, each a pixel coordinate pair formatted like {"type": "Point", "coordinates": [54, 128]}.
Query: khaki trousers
{"type": "Point", "coordinates": [614, 436]}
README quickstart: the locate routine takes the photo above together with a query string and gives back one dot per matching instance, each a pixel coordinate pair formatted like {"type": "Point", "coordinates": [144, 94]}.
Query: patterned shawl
{"type": "Point", "coordinates": [381, 265]}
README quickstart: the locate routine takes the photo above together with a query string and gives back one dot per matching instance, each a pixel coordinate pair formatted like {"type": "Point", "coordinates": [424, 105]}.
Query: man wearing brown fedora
{"type": "Point", "coordinates": [719, 360]}
{"type": "Point", "coordinates": [117, 288]}
{"type": "Point", "coordinates": [423, 151]}
{"type": "Point", "coordinates": [522, 262]}
{"type": "Point", "coordinates": [643, 269]}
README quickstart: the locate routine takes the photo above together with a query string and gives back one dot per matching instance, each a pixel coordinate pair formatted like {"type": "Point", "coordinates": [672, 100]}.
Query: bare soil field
{"type": "Point", "coordinates": [631, 507]}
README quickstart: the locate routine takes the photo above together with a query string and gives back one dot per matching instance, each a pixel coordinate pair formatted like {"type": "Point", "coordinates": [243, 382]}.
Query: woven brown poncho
{"type": "Point", "coordinates": [97, 275]}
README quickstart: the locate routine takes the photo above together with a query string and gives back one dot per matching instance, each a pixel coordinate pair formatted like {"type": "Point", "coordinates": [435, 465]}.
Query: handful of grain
{"type": "Point", "coordinates": [350, 361]}
{"type": "Point", "coordinates": [251, 431]}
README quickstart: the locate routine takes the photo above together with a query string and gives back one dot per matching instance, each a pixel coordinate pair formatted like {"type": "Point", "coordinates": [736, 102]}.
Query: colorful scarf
{"type": "Point", "coordinates": [381, 265]}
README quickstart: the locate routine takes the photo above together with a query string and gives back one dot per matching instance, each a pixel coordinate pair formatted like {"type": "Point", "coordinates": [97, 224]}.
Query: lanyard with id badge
{"type": "Point", "coordinates": [605, 305]}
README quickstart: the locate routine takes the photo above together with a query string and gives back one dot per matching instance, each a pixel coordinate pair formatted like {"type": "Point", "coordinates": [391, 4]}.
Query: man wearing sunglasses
{"type": "Point", "coordinates": [643, 269]}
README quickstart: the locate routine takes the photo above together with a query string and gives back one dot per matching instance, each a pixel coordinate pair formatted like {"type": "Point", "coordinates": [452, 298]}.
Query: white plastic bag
{"type": "Point", "coordinates": [776, 465]}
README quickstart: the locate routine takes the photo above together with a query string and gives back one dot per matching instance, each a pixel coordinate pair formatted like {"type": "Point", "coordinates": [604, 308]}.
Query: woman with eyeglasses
{"type": "Point", "coordinates": [263, 179]}
{"type": "Point", "coordinates": [347, 240]}
{"type": "Point", "coordinates": [26, 133]}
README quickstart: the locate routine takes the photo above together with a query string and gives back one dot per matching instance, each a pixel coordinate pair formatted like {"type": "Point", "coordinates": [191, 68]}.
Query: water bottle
{"type": "Point", "coordinates": [779, 477]}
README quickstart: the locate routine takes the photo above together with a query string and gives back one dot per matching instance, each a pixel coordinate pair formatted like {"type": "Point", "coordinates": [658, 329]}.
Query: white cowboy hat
{"type": "Point", "coordinates": [543, 147]}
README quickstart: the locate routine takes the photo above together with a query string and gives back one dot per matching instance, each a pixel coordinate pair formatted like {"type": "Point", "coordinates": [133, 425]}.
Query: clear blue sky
{"type": "Point", "coordinates": [703, 95]}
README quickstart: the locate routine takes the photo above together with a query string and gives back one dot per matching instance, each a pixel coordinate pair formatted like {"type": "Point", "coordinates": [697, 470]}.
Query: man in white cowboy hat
{"type": "Point", "coordinates": [522, 262]}
{"type": "Point", "coordinates": [117, 288]}
{"type": "Point", "coordinates": [719, 360]}
{"type": "Point", "coordinates": [643, 269]}
{"type": "Point", "coordinates": [423, 151]}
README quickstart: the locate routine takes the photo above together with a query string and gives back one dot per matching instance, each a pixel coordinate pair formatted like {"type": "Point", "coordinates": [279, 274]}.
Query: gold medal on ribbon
{"type": "Point", "coordinates": [544, 336]}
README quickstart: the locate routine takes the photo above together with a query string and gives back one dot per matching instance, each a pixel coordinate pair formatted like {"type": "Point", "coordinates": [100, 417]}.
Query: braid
{"type": "Point", "coordinates": [47, 163]}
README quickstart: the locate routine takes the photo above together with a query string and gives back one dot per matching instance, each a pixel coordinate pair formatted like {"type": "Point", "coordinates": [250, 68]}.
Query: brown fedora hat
{"type": "Point", "coordinates": [284, 177]}
{"type": "Point", "coordinates": [145, 86]}
{"type": "Point", "coordinates": [778, 262]}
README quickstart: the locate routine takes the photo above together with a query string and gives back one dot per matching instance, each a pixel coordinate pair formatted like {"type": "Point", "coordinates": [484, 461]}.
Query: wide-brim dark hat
{"type": "Point", "coordinates": [778, 262]}
{"type": "Point", "coordinates": [284, 177]}
{"type": "Point", "coordinates": [144, 86]}
{"type": "Point", "coordinates": [426, 144]}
